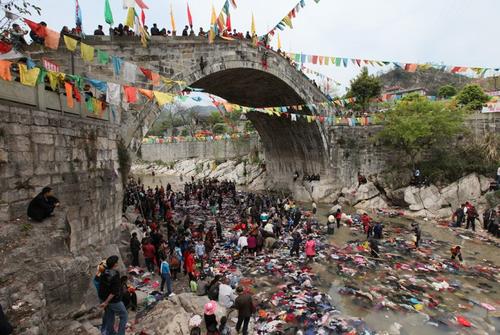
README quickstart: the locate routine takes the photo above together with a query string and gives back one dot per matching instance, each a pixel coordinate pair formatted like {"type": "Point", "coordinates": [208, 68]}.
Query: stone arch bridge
{"type": "Point", "coordinates": [233, 70]}
{"type": "Point", "coordinates": [44, 142]}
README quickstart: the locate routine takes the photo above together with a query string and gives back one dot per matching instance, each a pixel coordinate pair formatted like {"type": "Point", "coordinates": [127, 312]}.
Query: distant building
{"type": "Point", "coordinates": [396, 92]}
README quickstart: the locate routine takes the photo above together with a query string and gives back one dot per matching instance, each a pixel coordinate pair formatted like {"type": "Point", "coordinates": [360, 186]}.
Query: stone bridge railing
{"type": "Point", "coordinates": [44, 100]}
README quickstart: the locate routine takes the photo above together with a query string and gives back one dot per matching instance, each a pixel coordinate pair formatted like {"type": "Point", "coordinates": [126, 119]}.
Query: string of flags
{"type": "Point", "coordinates": [200, 138]}
{"type": "Point", "coordinates": [286, 21]}
{"type": "Point", "coordinates": [409, 67]}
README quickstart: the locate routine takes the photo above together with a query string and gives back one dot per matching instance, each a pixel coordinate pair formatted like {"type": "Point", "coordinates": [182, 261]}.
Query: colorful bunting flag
{"type": "Point", "coordinates": [52, 38]}
{"type": "Point", "coordinates": [129, 21]}
{"type": "Point", "coordinates": [28, 77]}
{"type": "Point", "coordinates": [69, 94]}
{"type": "Point", "coordinates": [102, 57]}
{"type": "Point", "coordinates": [5, 73]}
{"type": "Point", "coordinates": [172, 20]}
{"type": "Point", "coordinates": [87, 52]}
{"type": "Point", "coordinates": [108, 14]}
{"type": "Point", "coordinates": [71, 43]}
{"type": "Point", "coordinates": [141, 4]}
{"type": "Point", "coordinates": [163, 98]}
{"type": "Point", "coordinates": [130, 94]}
{"type": "Point", "coordinates": [190, 18]}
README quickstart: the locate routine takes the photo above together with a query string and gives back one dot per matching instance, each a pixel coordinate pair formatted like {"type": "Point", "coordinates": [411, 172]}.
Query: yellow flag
{"type": "Point", "coordinates": [253, 26]}
{"type": "Point", "coordinates": [279, 42]}
{"type": "Point", "coordinates": [163, 98]}
{"type": "Point", "coordinates": [87, 52]}
{"type": "Point", "coordinates": [130, 17]}
{"type": "Point", "coordinates": [55, 78]}
{"type": "Point", "coordinates": [213, 22]}
{"type": "Point", "coordinates": [71, 43]}
{"type": "Point", "coordinates": [28, 77]}
{"type": "Point", "coordinates": [172, 20]}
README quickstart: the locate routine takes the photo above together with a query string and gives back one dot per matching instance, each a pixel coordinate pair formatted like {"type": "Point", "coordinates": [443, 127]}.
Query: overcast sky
{"type": "Point", "coordinates": [453, 32]}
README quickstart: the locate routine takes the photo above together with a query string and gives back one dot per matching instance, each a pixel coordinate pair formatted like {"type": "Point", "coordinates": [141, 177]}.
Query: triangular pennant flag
{"type": "Point", "coordinates": [163, 98]}
{"type": "Point", "coordinates": [141, 4]}
{"type": "Point", "coordinates": [69, 94]}
{"type": "Point", "coordinates": [147, 93]}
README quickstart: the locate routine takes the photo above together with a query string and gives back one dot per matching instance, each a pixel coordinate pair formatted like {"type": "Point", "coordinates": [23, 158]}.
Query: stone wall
{"type": "Point", "coordinates": [217, 150]}
{"type": "Point", "coordinates": [73, 153]}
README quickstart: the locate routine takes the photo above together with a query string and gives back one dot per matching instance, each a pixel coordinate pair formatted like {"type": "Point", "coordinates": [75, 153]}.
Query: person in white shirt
{"type": "Point", "coordinates": [269, 228]}
{"type": "Point", "coordinates": [242, 242]}
{"type": "Point", "coordinates": [226, 295]}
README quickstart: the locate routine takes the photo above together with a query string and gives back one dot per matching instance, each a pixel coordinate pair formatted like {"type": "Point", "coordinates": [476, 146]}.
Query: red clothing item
{"type": "Point", "coordinates": [149, 250]}
{"type": "Point", "coordinates": [189, 262]}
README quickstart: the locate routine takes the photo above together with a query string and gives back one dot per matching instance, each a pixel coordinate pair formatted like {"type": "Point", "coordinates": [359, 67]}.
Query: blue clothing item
{"type": "Point", "coordinates": [199, 249]}
{"type": "Point", "coordinates": [98, 84]}
{"type": "Point", "coordinates": [117, 65]}
{"type": "Point", "coordinates": [112, 310]}
{"type": "Point", "coordinates": [165, 278]}
{"type": "Point", "coordinates": [165, 268]}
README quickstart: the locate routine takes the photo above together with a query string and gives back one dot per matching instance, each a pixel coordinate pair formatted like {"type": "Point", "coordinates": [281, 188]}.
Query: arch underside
{"type": "Point", "coordinates": [289, 146]}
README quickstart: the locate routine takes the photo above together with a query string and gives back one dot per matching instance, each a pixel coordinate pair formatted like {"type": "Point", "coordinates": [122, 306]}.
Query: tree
{"type": "Point", "coordinates": [415, 124]}
{"type": "Point", "coordinates": [447, 91]}
{"type": "Point", "coordinates": [364, 87]}
{"type": "Point", "coordinates": [472, 97]}
{"type": "Point", "coordinates": [21, 7]}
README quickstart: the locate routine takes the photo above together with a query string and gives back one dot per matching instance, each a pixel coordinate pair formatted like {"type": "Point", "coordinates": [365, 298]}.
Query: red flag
{"type": "Point", "coordinates": [143, 17]}
{"type": "Point", "coordinates": [131, 94]}
{"type": "Point", "coordinates": [38, 29]}
{"type": "Point", "coordinates": [190, 18]}
{"type": "Point", "coordinates": [228, 23]}
{"type": "Point", "coordinates": [147, 73]}
{"type": "Point", "coordinates": [141, 4]}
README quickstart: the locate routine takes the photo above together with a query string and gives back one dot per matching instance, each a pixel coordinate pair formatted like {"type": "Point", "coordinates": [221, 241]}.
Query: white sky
{"type": "Point", "coordinates": [453, 32]}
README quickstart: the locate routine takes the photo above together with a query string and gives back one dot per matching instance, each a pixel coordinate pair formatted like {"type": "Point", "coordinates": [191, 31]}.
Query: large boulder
{"type": "Point", "coordinates": [365, 192]}
{"type": "Point", "coordinates": [469, 188]}
{"type": "Point", "coordinates": [431, 198]}
{"type": "Point", "coordinates": [485, 183]}
{"type": "Point", "coordinates": [397, 197]}
{"type": "Point", "coordinates": [324, 191]}
{"type": "Point", "coordinates": [412, 198]}
{"type": "Point", "coordinates": [373, 203]}
{"type": "Point", "coordinates": [449, 195]}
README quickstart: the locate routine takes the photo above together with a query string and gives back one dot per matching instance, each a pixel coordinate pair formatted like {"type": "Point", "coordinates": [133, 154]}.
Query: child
{"type": "Point", "coordinates": [223, 329]}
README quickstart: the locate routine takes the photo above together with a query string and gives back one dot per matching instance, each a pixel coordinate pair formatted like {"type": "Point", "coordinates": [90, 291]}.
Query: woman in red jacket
{"type": "Point", "coordinates": [189, 265]}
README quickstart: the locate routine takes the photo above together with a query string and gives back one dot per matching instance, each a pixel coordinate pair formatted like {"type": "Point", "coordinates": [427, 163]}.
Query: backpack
{"type": "Point", "coordinates": [174, 262]}
{"type": "Point", "coordinates": [105, 280]}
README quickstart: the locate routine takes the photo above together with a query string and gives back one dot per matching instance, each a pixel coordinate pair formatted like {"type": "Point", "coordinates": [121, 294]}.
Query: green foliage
{"type": "Point", "coordinates": [185, 132]}
{"type": "Point", "coordinates": [249, 126]}
{"type": "Point", "coordinates": [447, 91]}
{"type": "Point", "coordinates": [364, 87]}
{"type": "Point", "coordinates": [219, 129]}
{"type": "Point", "coordinates": [448, 163]}
{"type": "Point", "coordinates": [472, 97]}
{"type": "Point", "coordinates": [215, 118]}
{"type": "Point", "coordinates": [416, 124]}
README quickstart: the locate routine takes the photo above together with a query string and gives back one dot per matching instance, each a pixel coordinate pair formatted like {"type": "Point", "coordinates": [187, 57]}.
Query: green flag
{"type": "Point", "coordinates": [108, 14]}
{"type": "Point", "coordinates": [102, 57]}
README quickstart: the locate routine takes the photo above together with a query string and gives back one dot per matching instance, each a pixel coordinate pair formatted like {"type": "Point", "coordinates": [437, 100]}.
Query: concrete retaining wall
{"type": "Point", "coordinates": [218, 150]}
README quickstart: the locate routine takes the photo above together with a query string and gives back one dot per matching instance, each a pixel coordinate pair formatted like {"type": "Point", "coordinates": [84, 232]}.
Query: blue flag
{"type": "Point", "coordinates": [78, 14]}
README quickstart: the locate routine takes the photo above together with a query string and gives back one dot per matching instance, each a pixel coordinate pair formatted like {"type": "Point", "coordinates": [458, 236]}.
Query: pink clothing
{"type": "Point", "coordinates": [252, 242]}
{"type": "Point", "coordinates": [310, 248]}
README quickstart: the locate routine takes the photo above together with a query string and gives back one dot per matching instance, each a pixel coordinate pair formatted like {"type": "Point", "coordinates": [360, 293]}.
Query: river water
{"type": "Point", "coordinates": [464, 301]}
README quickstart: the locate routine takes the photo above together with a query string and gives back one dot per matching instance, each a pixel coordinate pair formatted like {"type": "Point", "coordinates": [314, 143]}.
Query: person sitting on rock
{"type": "Point", "coordinates": [43, 205]}
{"type": "Point", "coordinates": [361, 179]}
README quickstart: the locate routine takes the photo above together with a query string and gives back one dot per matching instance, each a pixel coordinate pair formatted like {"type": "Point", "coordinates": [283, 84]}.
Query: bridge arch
{"type": "Point", "coordinates": [236, 71]}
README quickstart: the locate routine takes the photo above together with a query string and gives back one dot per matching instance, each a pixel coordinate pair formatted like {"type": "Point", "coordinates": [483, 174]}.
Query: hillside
{"type": "Point", "coordinates": [431, 79]}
